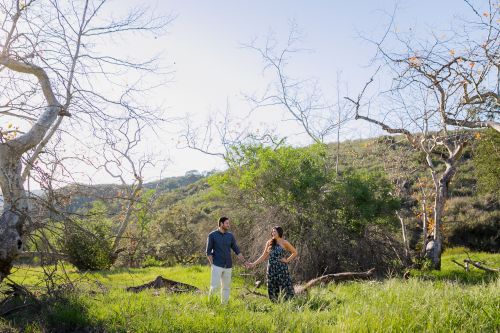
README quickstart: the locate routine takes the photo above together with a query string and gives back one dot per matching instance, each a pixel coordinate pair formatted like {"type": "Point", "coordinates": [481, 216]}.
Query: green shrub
{"type": "Point", "coordinates": [88, 242]}
{"type": "Point", "coordinates": [486, 160]}
{"type": "Point", "coordinates": [151, 261]}
{"type": "Point", "coordinates": [473, 223]}
{"type": "Point", "coordinates": [87, 250]}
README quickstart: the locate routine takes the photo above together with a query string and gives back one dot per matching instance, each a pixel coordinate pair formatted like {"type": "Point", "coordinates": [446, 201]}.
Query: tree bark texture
{"type": "Point", "coordinates": [14, 210]}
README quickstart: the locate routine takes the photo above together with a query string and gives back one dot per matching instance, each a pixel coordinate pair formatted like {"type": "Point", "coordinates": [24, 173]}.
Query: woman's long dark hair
{"type": "Point", "coordinates": [279, 230]}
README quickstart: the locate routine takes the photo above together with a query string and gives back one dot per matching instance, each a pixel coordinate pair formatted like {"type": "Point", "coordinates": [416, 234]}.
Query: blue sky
{"type": "Point", "coordinates": [203, 49]}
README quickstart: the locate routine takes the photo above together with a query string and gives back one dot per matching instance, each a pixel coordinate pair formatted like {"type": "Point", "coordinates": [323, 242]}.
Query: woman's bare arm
{"type": "Point", "coordinates": [264, 256]}
{"type": "Point", "coordinates": [289, 247]}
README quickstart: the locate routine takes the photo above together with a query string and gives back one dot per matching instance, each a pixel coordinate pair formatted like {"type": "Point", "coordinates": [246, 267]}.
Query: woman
{"type": "Point", "coordinates": [278, 276]}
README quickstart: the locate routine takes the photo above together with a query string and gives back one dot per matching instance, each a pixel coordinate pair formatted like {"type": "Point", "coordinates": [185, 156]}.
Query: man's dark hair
{"type": "Point", "coordinates": [222, 220]}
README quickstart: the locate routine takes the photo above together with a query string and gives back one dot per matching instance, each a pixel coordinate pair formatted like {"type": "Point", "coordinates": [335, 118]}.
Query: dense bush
{"type": "Point", "coordinates": [177, 235]}
{"type": "Point", "coordinates": [87, 242]}
{"type": "Point", "coordinates": [87, 250]}
{"type": "Point", "coordinates": [487, 161]}
{"type": "Point", "coordinates": [337, 222]}
{"type": "Point", "coordinates": [474, 223]}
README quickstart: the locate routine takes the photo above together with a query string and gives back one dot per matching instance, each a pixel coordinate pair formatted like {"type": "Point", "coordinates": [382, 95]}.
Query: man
{"type": "Point", "coordinates": [219, 245]}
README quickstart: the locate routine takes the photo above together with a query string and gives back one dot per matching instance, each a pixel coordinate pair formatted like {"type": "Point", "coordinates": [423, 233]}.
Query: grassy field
{"type": "Point", "coordinates": [446, 301]}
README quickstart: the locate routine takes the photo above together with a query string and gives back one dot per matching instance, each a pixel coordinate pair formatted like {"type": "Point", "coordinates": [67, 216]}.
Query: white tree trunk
{"type": "Point", "coordinates": [435, 247]}
{"type": "Point", "coordinates": [14, 210]}
{"type": "Point", "coordinates": [424, 224]}
{"type": "Point", "coordinates": [405, 239]}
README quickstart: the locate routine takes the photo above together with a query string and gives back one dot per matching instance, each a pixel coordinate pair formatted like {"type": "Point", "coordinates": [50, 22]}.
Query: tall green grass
{"type": "Point", "coordinates": [428, 302]}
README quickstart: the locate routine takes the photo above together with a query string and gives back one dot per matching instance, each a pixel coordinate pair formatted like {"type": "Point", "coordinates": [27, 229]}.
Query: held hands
{"type": "Point", "coordinates": [249, 265]}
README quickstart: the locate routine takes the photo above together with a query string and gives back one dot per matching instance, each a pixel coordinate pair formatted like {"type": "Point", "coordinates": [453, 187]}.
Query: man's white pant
{"type": "Point", "coordinates": [221, 277]}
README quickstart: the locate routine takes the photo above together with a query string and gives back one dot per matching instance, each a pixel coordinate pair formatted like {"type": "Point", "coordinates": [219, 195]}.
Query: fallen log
{"type": "Point", "coordinates": [477, 264]}
{"type": "Point", "coordinates": [346, 276]}
{"type": "Point", "coordinates": [161, 282]}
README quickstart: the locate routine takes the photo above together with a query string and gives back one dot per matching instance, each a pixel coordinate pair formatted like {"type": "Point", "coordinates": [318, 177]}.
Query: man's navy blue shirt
{"type": "Point", "coordinates": [219, 245]}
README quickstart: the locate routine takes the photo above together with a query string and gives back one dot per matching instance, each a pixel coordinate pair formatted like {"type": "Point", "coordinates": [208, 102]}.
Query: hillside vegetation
{"type": "Point", "coordinates": [349, 216]}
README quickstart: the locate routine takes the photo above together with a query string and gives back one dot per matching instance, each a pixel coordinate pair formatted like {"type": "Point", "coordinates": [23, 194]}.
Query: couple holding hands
{"type": "Point", "coordinates": [220, 242]}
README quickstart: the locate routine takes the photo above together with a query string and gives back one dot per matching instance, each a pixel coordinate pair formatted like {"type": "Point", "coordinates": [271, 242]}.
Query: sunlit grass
{"type": "Point", "coordinates": [427, 302]}
{"type": "Point", "coordinates": [450, 271]}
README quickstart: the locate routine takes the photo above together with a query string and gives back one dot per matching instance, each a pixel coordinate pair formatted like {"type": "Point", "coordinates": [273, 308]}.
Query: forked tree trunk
{"type": "Point", "coordinates": [132, 200]}
{"type": "Point", "coordinates": [15, 210]}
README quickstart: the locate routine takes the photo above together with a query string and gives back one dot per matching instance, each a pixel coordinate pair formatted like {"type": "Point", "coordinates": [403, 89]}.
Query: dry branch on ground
{"type": "Point", "coordinates": [345, 276]}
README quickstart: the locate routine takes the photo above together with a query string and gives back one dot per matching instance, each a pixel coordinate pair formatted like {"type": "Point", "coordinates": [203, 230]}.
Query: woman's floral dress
{"type": "Point", "coordinates": [278, 277]}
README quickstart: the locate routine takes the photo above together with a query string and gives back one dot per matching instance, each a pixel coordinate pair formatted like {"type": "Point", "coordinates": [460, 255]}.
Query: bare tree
{"type": "Point", "coordinates": [437, 89]}
{"type": "Point", "coordinates": [222, 132]}
{"type": "Point", "coordinates": [121, 164]}
{"type": "Point", "coordinates": [53, 65]}
{"type": "Point", "coordinates": [216, 137]}
{"type": "Point", "coordinates": [302, 99]}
